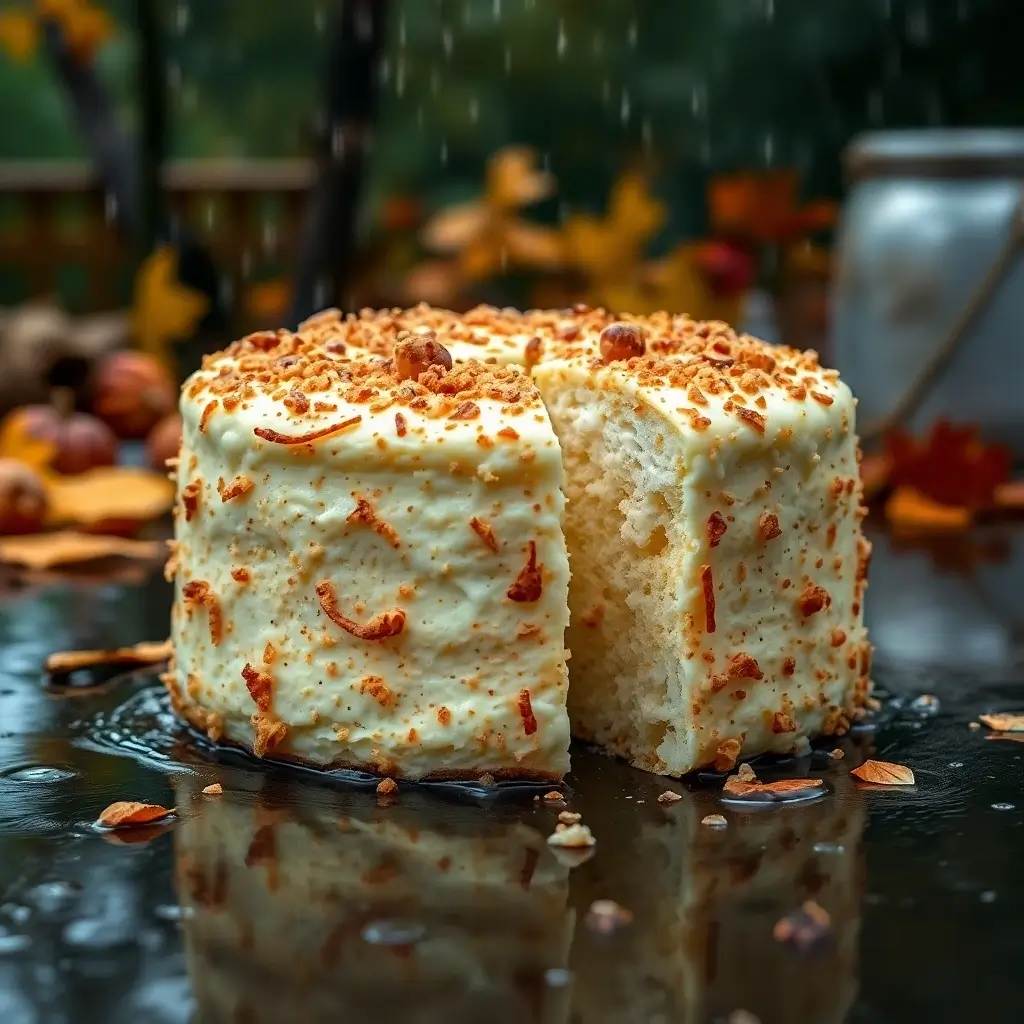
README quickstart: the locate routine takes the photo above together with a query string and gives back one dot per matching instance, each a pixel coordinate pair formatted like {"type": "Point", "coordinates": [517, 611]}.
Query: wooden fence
{"type": "Point", "coordinates": [54, 216]}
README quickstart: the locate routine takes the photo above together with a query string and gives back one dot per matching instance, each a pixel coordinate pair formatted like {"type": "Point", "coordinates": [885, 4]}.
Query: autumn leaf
{"type": "Point", "coordinates": [19, 35]}
{"type": "Point", "coordinates": [69, 548]}
{"type": "Point", "coordinates": [1010, 496]}
{"type": "Point", "coordinates": [487, 234]}
{"type": "Point", "coordinates": [85, 26]}
{"type": "Point", "coordinates": [17, 443]}
{"type": "Point", "coordinates": [951, 465]}
{"type": "Point", "coordinates": [129, 814]}
{"type": "Point", "coordinates": [763, 207]}
{"type": "Point", "coordinates": [884, 773]}
{"type": "Point", "coordinates": [682, 284]}
{"type": "Point", "coordinates": [1003, 722]}
{"type": "Point", "coordinates": [910, 510]}
{"type": "Point", "coordinates": [145, 653]}
{"type": "Point", "coordinates": [113, 499]}
{"type": "Point", "coordinates": [268, 301]}
{"type": "Point", "coordinates": [736, 785]}
{"type": "Point", "coordinates": [164, 309]}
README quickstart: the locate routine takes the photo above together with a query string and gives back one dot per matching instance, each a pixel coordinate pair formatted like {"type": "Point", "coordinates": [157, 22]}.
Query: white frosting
{"type": "Point", "coordinates": [446, 695]}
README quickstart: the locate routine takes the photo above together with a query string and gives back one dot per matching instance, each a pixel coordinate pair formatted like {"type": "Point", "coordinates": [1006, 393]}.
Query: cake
{"type": "Point", "coordinates": [713, 524]}
{"type": "Point", "coordinates": [281, 898]}
{"type": "Point", "coordinates": [369, 564]}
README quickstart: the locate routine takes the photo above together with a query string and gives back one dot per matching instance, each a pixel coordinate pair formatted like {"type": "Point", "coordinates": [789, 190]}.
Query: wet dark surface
{"type": "Point", "coordinates": [297, 899]}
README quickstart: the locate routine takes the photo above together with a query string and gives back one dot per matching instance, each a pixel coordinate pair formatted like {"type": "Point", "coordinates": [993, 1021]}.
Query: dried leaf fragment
{"type": "Point", "coordinates": [312, 435]}
{"type": "Point", "coordinates": [130, 814]}
{"type": "Point", "coordinates": [146, 653]}
{"type": "Point", "coordinates": [736, 786]}
{"type": "Point", "coordinates": [528, 585]}
{"type": "Point", "coordinates": [908, 509]}
{"type": "Point", "coordinates": [714, 820]}
{"type": "Point", "coordinates": [1003, 722]}
{"type": "Point", "coordinates": [386, 787]}
{"type": "Point", "coordinates": [214, 789]}
{"type": "Point", "coordinates": [884, 773]}
{"type": "Point", "coordinates": [669, 797]}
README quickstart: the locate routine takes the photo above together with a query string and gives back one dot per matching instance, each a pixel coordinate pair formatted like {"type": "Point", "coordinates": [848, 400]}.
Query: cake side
{"type": "Point", "coordinates": [369, 566]}
{"type": "Point", "coordinates": [718, 562]}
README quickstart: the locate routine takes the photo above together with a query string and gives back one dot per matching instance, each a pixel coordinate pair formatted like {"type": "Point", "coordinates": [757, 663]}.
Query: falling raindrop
{"type": "Point", "coordinates": [1003, 807]}
{"type": "Point", "coordinates": [496, 10]}
{"type": "Point", "coordinates": [988, 896]}
{"type": "Point", "coordinates": [631, 34]}
{"type": "Point", "coordinates": [269, 236]}
{"type": "Point", "coordinates": [562, 43]}
{"type": "Point", "coordinates": [768, 148]}
{"type": "Point", "coordinates": [400, 77]}
{"type": "Point", "coordinates": [444, 152]}
{"type": "Point", "coordinates": [401, 30]}
{"type": "Point", "coordinates": [508, 60]}
{"type": "Point", "coordinates": [189, 96]}
{"type": "Point", "coordinates": [448, 42]}
{"type": "Point", "coordinates": [227, 292]}
{"type": "Point", "coordinates": [597, 44]}
{"type": "Point", "coordinates": [384, 70]}
{"type": "Point", "coordinates": [474, 110]}
{"type": "Point", "coordinates": [467, 14]}
{"type": "Point", "coordinates": [110, 207]}
{"type": "Point", "coordinates": [364, 22]}
{"type": "Point", "coordinates": [646, 133]}
{"type": "Point", "coordinates": [624, 108]}
{"type": "Point", "coordinates": [393, 932]}
{"type": "Point", "coordinates": [606, 91]}
{"type": "Point", "coordinates": [557, 977]}
{"type": "Point", "coordinates": [320, 20]}
{"type": "Point", "coordinates": [181, 17]}
{"type": "Point", "coordinates": [698, 99]}
{"type": "Point", "coordinates": [419, 116]}
{"type": "Point", "coordinates": [769, 10]}
{"type": "Point", "coordinates": [435, 81]}
{"type": "Point", "coordinates": [173, 77]}
{"type": "Point", "coordinates": [962, 10]}
{"type": "Point", "coordinates": [918, 27]}
{"type": "Point", "coordinates": [338, 142]}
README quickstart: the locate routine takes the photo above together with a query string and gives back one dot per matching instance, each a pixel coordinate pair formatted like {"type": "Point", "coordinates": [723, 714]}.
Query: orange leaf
{"type": "Point", "coordinates": [951, 465]}
{"type": "Point", "coordinates": [145, 653]}
{"type": "Point", "coordinates": [513, 180]}
{"type": "Point", "coordinates": [128, 813]}
{"type": "Point", "coordinates": [736, 786]}
{"type": "Point", "coordinates": [908, 509]}
{"type": "Point", "coordinates": [884, 773]}
{"type": "Point", "coordinates": [268, 300]}
{"type": "Point", "coordinates": [66, 548]}
{"type": "Point", "coordinates": [19, 35]}
{"type": "Point", "coordinates": [1003, 722]}
{"type": "Point", "coordinates": [1010, 496]}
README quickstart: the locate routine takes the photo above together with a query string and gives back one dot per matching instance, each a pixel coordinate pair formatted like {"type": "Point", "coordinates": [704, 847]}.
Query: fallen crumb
{"type": "Point", "coordinates": [670, 797]}
{"type": "Point", "coordinates": [130, 814]}
{"type": "Point", "coordinates": [1003, 722]}
{"type": "Point", "coordinates": [569, 817]}
{"type": "Point", "coordinates": [884, 773]}
{"type": "Point", "coordinates": [714, 820]}
{"type": "Point", "coordinates": [808, 929]}
{"type": "Point", "coordinates": [974, 725]}
{"type": "Point", "coordinates": [873, 704]}
{"type": "Point", "coordinates": [214, 789]}
{"type": "Point", "coordinates": [745, 773]}
{"type": "Point", "coordinates": [488, 780]}
{"type": "Point", "coordinates": [736, 786]}
{"type": "Point", "coordinates": [553, 795]}
{"type": "Point", "coordinates": [607, 917]}
{"type": "Point", "coordinates": [572, 836]}
{"type": "Point", "coordinates": [837, 754]}
{"type": "Point", "coordinates": [386, 787]}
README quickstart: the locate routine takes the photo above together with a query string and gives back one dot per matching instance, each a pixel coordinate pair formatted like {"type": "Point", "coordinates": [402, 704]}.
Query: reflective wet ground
{"type": "Point", "coordinates": [298, 898]}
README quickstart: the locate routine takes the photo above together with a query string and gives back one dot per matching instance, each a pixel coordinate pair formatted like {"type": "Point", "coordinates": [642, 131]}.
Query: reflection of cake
{"type": "Point", "coordinates": [286, 910]}
{"type": "Point", "coordinates": [705, 905]}
{"type": "Point", "coordinates": [369, 561]}
{"type": "Point", "coordinates": [712, 519]}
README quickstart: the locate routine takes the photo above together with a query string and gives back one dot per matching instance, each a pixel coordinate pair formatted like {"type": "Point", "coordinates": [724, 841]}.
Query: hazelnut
{"type": "Point", "coordinates": [23, 501]}
{"type": "Point", "coordinates": [132, 392]}
{"type": "Point", "coordinates": [80, 442]}
{"type": "Point", "coordinates": [622, 341]}
{"type": "Point", "coordinates": [415, 353]}
{"type": "Point", "coordinates": [164, 441]}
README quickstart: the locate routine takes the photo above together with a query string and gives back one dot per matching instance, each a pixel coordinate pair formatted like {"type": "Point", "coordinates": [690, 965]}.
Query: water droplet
{"type": "Point", "coordinates": [956, 764]}
{"type": "Point", "coordinates": [829, 848]}
{"type": "Point", "coordinates": [51, 898]}
{"type": "Point", "coordinates": [38, 773]}
{"type": "Point", "coordinates": [173, 912]}
{"type": "Point", "coordinates": [10, 943]}
{"type": "Point", "coordinates": [557, 977]}
{"type": "Point", "coordinates": [989, 896]}
{"type": "Point", "coordinates": [16, 912]}
{"type": "Point", "coordinates": [1003, 807]}
{"type": "Point", "coordinates": [393, 932]}
{"type": "Point", "coordinates": [927, 705]}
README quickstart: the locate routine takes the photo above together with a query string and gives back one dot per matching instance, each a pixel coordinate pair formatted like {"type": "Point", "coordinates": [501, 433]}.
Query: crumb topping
{"type": "Point", "coordinates": [380, 627]}
{"type": "Point", "coordinates": [528, 585]}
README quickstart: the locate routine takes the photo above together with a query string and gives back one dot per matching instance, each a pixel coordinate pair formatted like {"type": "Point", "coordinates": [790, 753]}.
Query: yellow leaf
{"type": "Point", "coordinates": [533, 245]}
{"type": "Point", "coordinates": [634, 212]}
{"type": "Point", "coordinates": [454, 228]}
{"type": "Point", "coordinates": [111, 499]}
{"type": "Point", "coordinates": [17, 443]}
{"type": "Point", "coordinates": [19, 35]}
{"type": "Point", "coordinates": [85, 26]}
{"type": "Point", "coordinates": [164, 309]}
{"type": "Point", "coordinates": [513, 181]}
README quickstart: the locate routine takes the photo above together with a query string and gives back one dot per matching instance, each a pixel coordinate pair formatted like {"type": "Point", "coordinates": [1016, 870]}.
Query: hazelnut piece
{"type": "Point", "coordinates": [415, 353]}
{"type": "Point", "coordinates": [622, 341]}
